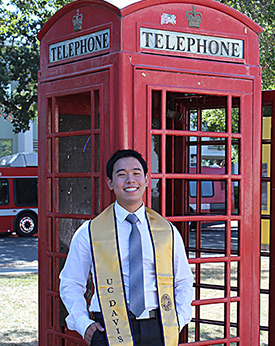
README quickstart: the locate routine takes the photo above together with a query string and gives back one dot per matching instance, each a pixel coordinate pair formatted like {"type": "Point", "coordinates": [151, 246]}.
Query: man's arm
{"type": "Point", "coordinates": [90, 332]}
{"type": "Point", "coordinates": [73, 281]}
{"type": "Point", "coordinates": [183, 281]}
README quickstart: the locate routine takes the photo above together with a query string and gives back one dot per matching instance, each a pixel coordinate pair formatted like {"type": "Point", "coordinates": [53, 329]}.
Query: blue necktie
{"type": "Point", "coordinates": [136, 282]}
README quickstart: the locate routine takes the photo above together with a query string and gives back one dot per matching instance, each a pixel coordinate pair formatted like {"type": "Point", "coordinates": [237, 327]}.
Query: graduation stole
{"type": "Point", "coordinates": [109, 280]}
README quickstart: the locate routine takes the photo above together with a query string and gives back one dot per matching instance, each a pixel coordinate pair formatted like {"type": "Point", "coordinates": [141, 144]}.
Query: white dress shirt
{"type": "Point", "coordinates": [79, 264]}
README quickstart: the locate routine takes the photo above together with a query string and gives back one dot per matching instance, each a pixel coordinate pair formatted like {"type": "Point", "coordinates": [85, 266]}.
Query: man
{"type": "Point", "coordinates": [142, 279]}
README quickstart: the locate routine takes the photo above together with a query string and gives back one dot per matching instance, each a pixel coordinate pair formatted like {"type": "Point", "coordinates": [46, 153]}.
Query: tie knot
{"type": "Point", "coordinates": [132, 218]}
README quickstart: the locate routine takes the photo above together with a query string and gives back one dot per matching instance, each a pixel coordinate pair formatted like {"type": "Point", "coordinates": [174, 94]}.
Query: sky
{"type": "Point", "coordinates": [121, 3]}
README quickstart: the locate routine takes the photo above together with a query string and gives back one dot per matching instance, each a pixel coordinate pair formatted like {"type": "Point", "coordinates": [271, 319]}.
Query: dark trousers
{"type": "Point", "coordinates": [147, 332]}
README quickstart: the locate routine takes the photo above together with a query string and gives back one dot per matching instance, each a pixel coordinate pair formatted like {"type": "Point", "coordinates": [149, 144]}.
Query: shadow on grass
{"type": "Point", "coordinates": [19, 343]}
{"type": "Point", "coordinates": [17, 337]}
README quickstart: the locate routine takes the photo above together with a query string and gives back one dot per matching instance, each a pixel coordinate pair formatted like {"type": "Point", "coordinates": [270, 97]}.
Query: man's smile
{"type": "Point", "coordinates": [130, 189]}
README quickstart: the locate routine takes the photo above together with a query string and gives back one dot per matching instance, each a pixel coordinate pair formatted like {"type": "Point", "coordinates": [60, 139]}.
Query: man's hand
{"type": "Point", "coordinates": [90, 331]}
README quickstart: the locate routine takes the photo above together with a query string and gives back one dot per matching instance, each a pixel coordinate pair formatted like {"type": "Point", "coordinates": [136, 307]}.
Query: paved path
{"type": "Point", "coordinates": [18, 255]}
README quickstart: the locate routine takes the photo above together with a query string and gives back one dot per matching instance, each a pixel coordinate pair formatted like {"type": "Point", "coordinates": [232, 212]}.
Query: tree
{"type": "Point", "coordinates": [20, 22]}
{"type": "Point", "coordinates": [263, 13]}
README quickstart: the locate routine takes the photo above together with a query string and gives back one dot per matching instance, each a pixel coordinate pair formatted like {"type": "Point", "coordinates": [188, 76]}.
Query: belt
{"type": "Point", "coordinates": [146, 315]}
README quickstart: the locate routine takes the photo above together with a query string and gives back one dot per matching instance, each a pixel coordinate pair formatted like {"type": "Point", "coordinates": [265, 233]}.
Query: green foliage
{"type": "Point", "coordinates": [5, 147]}
{"type": "Point", "coordinates": [20, 22]}
{"type": "Point", "coordinates": [263, 13]}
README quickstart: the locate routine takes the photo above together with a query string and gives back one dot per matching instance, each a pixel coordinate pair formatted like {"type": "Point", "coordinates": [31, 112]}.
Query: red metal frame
{"type": "Point", "coordinates": [125, 78]}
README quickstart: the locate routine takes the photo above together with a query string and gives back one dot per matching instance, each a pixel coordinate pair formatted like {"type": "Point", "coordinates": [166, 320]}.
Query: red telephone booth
{"type": "Point", "coordinates": [180, 82]}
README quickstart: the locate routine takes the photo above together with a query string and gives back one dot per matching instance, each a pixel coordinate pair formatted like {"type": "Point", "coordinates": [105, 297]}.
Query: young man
{"type": "Point", "coordinates": [142, 279]}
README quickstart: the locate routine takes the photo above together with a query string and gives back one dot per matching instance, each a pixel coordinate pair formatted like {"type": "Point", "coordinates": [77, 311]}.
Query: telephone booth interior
{"type": "Point", "coordinates": [178, 81]}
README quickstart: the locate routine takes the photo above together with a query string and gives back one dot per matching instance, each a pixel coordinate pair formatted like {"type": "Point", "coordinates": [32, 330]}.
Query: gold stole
{"type": "Point", "coordinates": [108, 276]}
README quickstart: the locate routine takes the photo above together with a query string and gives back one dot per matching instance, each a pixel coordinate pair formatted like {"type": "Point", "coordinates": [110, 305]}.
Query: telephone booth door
{"type": "Point", "coordinates": [199, 144]}
{"type": "Point", "coordinates": [73, 169]}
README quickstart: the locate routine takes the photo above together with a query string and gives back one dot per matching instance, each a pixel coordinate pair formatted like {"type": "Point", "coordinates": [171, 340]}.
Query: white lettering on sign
{"type": "Point", "coordinates": [82, 45]}
{"type": "Point", "coordinates": [171, 41]}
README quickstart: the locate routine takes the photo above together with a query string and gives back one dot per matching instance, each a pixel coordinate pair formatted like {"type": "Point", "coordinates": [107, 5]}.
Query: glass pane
{"type": "Point", "coordinates": [234, 279]}
{"type": "Point", "coordinates": [235, 114]}
{"type": "Point", "coordinates": [212, 330]}
{"type": "Point", "coordinates": [195, 112]}
{"type": "Point", "coordinates": [68, 123]}
{"type": "Point", "coordinates": [264, 338]}
{"type": "Point", "coordinates": [49, 192]}
{"type": "Point", "coordinates": [155, 194]}
{"type": "Point", "coordinates": [234, 314]}
{"type": "Point", "coordinates": [265, 235]}
{"type": "Point", "coordinates": [213, 236]}
{"type": "Point", "coordinates": [192, 158]}
{"type": "Point", "coordinates": [176, 154]}
{"type": "Point", "coordinates": [267, 111]}
{"type": "Point", "coordinates": [212, 274]}
{"type": "Point", "coordinates": [214, 157]}
{"type": "Point", "coordinates": [265, 272]}
{"type": "Point", "coordinates": [214, 120]}
{"type": "Point", "coordinates": [177, 205]}
{"type": "Point", "coordinates": [74, 154]}
{"type": "Point", "coordinates": [67, 228]}
{"type": "Point", "coordinates": [266, 156]}
{"type": "Point", "coordinates": [193, 120]}
{"type": "Point", "coordinates": [213, 165]}
{"type": "Point", "coordinates": [75, 195]}
{"type": "Point", "coordinates": [97, 153]}
{"type": "Point", "coordinates": [235, 156]}
{"type": "Point", "coordinates": [174, 112]}
{"type": "Point", "coordinates": [234, 238]}
{"type": "Point", "coordinates": [266, 128]}
{"type": "Point", "coordinates": [97, 195]}
{"type": "Point", "coordinates": [264, 308]}
{"type": "Point", "coordinates": [155, 154]}
{"type": "Point", "coordinates": [97, 109]}
{"type": "Point", "coordinates": [212, 196]}
{"type": "Point", "coordinates": [265, 198]}
{"type": "Point", "coordinates": [74, 112]}
{"type": "Point", "coordinates": [235, 201]}
{"type": "Point", "coordinates": [156, 109]}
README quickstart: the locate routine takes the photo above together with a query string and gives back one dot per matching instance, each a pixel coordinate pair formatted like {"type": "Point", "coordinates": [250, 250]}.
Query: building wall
{"type": "Point", "coordinates": [11, 143]}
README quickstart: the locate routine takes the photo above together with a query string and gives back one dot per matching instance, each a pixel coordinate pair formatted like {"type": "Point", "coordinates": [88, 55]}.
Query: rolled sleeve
{"type": "Point", "coordinates": [73, 281]}
{"type": "Point", "coordinates": [183, 281]}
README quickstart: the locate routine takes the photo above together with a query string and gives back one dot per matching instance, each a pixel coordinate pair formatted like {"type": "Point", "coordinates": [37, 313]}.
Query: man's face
{"type": "Point", "coordinates": [128, 182]}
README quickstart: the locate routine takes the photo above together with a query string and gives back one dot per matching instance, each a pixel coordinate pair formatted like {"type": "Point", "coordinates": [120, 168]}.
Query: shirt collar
{"type": "Point", "coordinates": [122, 213]}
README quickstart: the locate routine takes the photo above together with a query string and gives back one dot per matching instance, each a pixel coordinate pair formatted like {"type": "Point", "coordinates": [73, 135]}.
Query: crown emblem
{"type": "Point", "coordinates": [194, 18]}
{"type": "Point", "coordinates": [77, 21]}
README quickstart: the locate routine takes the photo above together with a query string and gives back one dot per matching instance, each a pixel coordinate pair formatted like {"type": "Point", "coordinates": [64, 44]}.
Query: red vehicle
{"type": "Point", "coordinates": [213, 193]}
{"type": "Point", "coordinates": [18, 194]}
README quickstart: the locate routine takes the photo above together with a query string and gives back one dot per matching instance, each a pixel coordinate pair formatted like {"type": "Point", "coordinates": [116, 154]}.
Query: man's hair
{"type": "Point", "coordinates": [119, 154]}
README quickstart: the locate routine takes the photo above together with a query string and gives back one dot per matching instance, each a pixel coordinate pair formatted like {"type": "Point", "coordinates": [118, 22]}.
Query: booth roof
{"type": "Point", "coordinates": [126, 7]}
